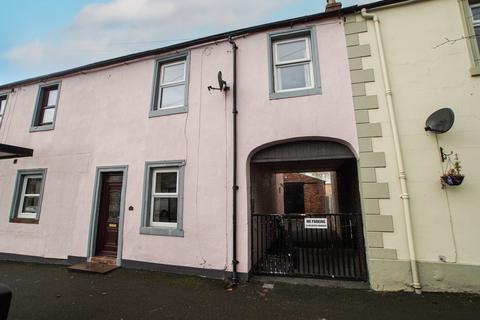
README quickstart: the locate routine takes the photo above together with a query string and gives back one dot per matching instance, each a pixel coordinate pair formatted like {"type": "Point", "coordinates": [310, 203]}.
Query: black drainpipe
{"type": "Point", "coordinates": [234, 183]}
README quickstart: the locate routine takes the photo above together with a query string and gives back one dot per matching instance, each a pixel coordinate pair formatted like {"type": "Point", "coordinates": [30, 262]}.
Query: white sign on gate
{"type": "Point", "coordinates": [316, 223]}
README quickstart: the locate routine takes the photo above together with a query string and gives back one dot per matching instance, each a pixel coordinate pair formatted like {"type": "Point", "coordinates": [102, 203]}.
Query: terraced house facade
{"type": "Point", "coordinates": [306, 156]}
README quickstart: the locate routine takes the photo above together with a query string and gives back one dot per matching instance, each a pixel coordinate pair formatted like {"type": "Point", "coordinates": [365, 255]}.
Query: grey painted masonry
{"type": "Point", "coordinates": [376, 222]}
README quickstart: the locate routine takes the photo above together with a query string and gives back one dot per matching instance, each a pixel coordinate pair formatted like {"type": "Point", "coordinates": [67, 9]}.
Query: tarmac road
{"type": "Point", "coordinates": [53, 292]}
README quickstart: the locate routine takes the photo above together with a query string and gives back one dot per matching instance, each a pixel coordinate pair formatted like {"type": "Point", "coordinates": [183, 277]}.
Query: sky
{"type": "Point", "coordinates": [40, 37]}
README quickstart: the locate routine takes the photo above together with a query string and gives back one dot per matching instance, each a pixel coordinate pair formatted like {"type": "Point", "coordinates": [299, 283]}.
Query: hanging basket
{"type": "Point", "coordinates": [452, 179]}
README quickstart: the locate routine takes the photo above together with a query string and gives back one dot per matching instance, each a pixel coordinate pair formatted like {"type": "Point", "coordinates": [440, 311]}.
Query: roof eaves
{"type": "Point", "coordinates": [198, 41]}
{"type": "Point", "coordinates": [179, 46]}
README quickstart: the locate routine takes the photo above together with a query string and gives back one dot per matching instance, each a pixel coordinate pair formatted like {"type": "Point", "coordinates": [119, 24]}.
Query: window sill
{"type": "Point", "coordinates": [42, 128]}
{"type": "Point", "coordinates": [159, 231]}
{"type": "Point", "coordinates": [475, 71]}
{"type": "Point", "coordinates": [24, 220]}
{"type": "Point", "coordinates": [297, 93]}
{"type": "Point", "coordinates": [168, 111]}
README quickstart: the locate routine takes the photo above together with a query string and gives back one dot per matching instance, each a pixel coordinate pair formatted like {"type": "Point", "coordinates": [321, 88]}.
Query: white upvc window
{"type": "Point", "coordinates": [476, 20]}
{"type": "Point", "coordinates": [172, 85]}
{"type": "Point", "coordinates": [27, 196]}
{"type": "Point", "coordinates": [293, 68]}
{"type": "Point", "coordinates": [164, 198]}
{"type": "Point", "coordinates": [3, 105]}
{"type": "Point", "coordinates": [30, 197]}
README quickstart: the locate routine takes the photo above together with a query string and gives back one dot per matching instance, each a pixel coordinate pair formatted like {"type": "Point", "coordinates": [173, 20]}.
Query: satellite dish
{"type": "Point", "coordinates": [440, 121]}
{"type": "Point", "coordinates": [221, 83]}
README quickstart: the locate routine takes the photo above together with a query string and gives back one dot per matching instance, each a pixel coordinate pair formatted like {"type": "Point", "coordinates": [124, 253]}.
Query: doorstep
{"type": "Point", "coordinates": [98, 264]}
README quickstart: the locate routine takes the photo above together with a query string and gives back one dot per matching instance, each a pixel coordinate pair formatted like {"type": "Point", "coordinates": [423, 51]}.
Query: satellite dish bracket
{"type": "Point", "coordinates": [222, 84]}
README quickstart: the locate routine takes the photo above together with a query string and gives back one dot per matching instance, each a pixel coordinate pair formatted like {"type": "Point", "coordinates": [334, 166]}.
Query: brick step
{"type": "Point", "coordinates": [104, 260]}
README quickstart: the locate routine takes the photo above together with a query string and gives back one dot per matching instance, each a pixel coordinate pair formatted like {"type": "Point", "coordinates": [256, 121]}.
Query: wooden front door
{"type": "Point", "coordinates": [109, 214]}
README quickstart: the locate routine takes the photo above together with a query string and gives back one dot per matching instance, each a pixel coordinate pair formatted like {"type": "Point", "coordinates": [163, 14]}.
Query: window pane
{"type": "Point", "coordinates": [48, 115]}
{"type": "Point", "coordinates": [293, 77]}
{"type": "Point", "coordinates": [166, 182]}
{"type": "Point", "coordinates": [292, 51]}
{"type": "Point", "coordinates": [476, 13]}
{"type": "Point", "coordinates": [114, 205]}
{"type": "Point", "coordinates": [33, 186]}
{"type": "Point", "coordinates": [52, 97]}
{"type": "Point", "coordinates": [477, 34]}
{"type": "Point", "coordinates": [173, 73]}
{"type": "Point", "coordinates": [164, 210]}
{"type": "Point", "coordinates": [173, 96]}
{"type": "Point", "coordinates": [30, 204]}
{"type": "Point", "coordinates": [3, 103]}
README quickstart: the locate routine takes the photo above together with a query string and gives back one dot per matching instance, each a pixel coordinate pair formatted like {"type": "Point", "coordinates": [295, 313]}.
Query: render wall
{"type": "Point", "coordinates": [102, 120]}
{"type": "Point", "coordinates": [425, 76]}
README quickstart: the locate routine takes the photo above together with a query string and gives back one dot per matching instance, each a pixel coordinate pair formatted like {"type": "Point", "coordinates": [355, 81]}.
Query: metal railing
{"type": "Point", "coordinates": [283, 246]}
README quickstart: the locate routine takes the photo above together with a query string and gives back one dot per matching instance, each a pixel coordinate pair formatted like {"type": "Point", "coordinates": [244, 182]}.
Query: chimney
{"type": "Point", "coordinates": [332, 5]}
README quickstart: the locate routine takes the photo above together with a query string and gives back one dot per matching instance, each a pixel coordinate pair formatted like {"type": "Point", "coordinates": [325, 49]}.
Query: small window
{"type": "Point", "coordinates": [163, 198]}
{"type": "Point", "coordinates": [27, 198]}
{"type": "Point", "coordinates": [294, 64]}
{"type": "Point", "coordinates": [170, 86]}
{"type": "Point", "coordinates": [476, 20]}
{"type": "Point", "coordinates": [3, 105]}
{"type": "Point", "coordinates": [45, 110]}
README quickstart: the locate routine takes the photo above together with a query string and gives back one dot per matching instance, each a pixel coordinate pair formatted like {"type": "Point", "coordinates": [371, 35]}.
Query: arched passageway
{"type": "Point", "coordinates": [305, 211]}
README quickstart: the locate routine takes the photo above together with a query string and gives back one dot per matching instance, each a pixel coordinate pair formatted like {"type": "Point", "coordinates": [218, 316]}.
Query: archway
{"type": "Point", "coordinates": [305, 211]}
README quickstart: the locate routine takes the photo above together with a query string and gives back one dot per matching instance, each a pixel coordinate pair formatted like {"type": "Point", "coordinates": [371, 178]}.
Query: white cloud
{"type": "Point", "coordinates": [118, 27]}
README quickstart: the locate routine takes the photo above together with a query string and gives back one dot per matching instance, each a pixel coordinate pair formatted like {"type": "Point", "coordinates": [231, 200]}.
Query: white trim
{"type": "Point", "coordinates": [162, 69]}
{"type": "Point", "coordinates": [160, 195]}
{"type": "Point", "coordinates": [307, 49]}
{"type": "Point", "coordinates": [163, 85]}
{"type": "Point", "coordinates": [305, 61]}
{"type": "Point", "coordinates": [23, 195]}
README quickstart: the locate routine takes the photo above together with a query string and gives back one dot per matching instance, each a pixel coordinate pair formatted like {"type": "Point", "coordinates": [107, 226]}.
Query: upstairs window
{"type": "Point", "coordinates": [293, 64]}
{"type": "Point", "coordinates": [3, 105]}
{"type": "Point", "coordinates": [476, 20]}
{"type": "Point", "coordinates": [170, 86]}
{"type": "Point", "coordinates": [46, 107]}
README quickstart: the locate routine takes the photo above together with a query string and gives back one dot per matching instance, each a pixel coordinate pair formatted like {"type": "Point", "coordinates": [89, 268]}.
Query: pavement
{"type": "Point", "coordinates": [52, 292]}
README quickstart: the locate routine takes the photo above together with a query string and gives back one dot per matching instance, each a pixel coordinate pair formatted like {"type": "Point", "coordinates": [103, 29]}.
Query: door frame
{"type": "Point", "coordinates": [97, 190]}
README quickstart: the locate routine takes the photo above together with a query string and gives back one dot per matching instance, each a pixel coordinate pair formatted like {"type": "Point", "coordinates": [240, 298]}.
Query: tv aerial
{"type": "Point", "coordinates": [222, 84]}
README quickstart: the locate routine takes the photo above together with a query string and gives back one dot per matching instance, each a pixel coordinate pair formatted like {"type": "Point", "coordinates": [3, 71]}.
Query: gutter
{"type": "Point", "coordinates": [398, 152]}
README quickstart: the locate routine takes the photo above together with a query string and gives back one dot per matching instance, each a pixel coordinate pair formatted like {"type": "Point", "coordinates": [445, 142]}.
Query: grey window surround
{"type": "Point", "coordinates": [475, 70]}
{"type": "Point", "coordinates": [21, 174]}
{"type": "Point", "coordinates": [154, 110]}
{"type": "Point", "coordinates": [291, 34]}
{"type": "Point", "coordinates": [34, 127]}
{"type": "Point", "coordinates": [145, 228]}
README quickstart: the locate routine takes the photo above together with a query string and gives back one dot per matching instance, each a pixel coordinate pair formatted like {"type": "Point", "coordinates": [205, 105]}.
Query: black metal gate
{"type": "Point", "coordinates": [282, 246]}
